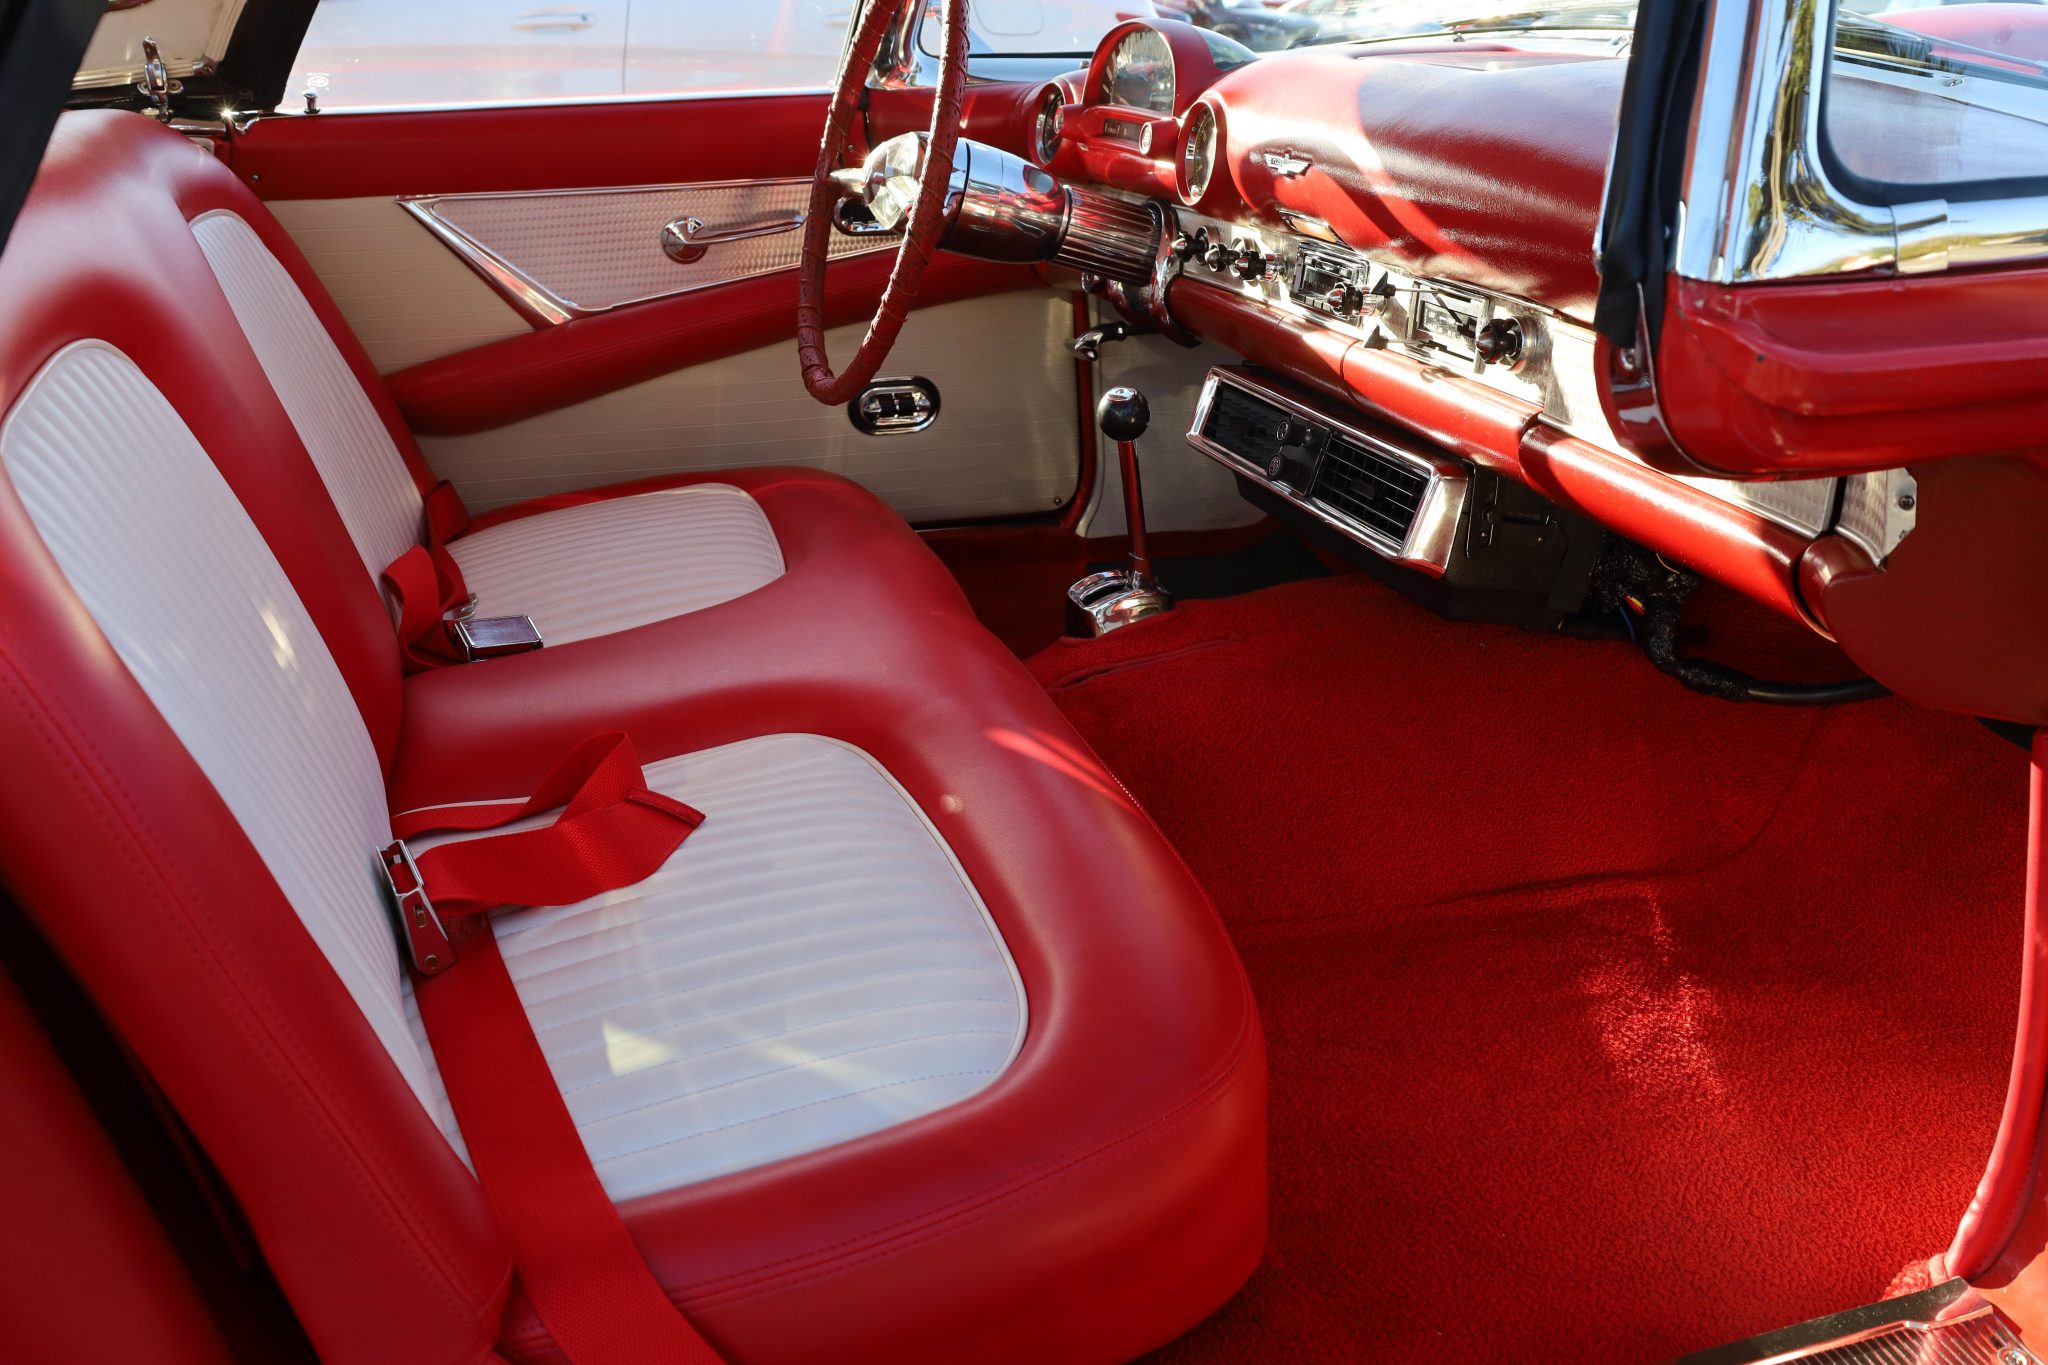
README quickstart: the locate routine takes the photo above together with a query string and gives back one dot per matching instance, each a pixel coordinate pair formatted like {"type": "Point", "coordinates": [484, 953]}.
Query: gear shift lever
{"type": "Point", "coordinates": [1106, 601]}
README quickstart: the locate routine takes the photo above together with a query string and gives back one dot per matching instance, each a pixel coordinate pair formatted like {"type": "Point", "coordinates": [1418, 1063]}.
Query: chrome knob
{"type": "Point", "coordinates": [1218, 258]}
{"type": "Point", "coordinates": [1249, 265]}
{"type": "Point", "coordinates": [1184, 247]}
{"type": "Point", "coordinates": [1344, 298]}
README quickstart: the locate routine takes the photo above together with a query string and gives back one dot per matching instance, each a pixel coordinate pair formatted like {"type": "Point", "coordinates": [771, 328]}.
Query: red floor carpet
{"type": "Point", "coordinates": [1607, 1021]}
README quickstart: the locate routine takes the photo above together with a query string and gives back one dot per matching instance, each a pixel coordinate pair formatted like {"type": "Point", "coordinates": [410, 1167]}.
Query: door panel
{"type": "Point", "coordinates": [572, 199]}
{"type": "Point", "coordinates": [560, 255]}
{"type": "Point", "coordinates": [1004, 443]}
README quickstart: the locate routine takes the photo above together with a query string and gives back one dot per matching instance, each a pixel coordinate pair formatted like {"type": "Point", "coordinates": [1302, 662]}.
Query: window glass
{"type": "Point", "coordinates": [371, 53]}
{"type": "Point", "coordinates": [1939, 97]}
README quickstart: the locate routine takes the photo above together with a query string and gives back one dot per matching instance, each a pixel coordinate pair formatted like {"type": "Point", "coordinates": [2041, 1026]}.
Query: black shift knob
{"type": "Point", "coordinates": [1124, 414]}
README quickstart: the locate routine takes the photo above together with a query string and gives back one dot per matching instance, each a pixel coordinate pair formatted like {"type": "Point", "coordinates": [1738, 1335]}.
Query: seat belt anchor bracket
{"type": "Point", "coordinates": [420, 931]}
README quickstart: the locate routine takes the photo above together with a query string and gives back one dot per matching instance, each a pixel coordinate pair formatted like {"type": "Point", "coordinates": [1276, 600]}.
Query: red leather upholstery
{"type": "Point", "coordinates": [1102, 1195]}
{"type": "Point", "coordinates": [89, 1274]}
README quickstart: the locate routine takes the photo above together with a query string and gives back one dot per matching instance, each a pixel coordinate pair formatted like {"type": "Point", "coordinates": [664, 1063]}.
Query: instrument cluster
{"type": "Point", "coordinates": [1139, 121]}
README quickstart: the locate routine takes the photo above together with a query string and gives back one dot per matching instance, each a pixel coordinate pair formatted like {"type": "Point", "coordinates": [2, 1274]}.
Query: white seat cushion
{"type": "Point", "coordinates": [812, 965]}
{"type": "Point", "coordinates": [621, 562]}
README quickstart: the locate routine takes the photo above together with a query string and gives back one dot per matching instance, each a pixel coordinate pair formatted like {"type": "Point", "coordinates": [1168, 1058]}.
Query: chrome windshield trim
{"type": "Point", "coordinates": [1758, 202]}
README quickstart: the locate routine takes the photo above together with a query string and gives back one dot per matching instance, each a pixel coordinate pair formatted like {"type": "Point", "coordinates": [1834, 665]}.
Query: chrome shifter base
{"type": "Point", "coordinates": [1113, 599]}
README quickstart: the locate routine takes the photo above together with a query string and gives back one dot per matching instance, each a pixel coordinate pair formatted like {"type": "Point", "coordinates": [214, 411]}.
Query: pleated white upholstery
{"type": "Point", "coordinates": [363, 470]}
{"type": "Point", "coordinates": [185, 590]}
{"type": "Point", "coordinates": [579, 571]}
{"type": "Point", "coordinates": [811, 966]}
{"type": "Point", "coordinates": [622, 562]}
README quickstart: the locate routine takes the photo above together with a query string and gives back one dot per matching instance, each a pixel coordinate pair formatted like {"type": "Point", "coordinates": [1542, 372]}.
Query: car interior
{"type": "Point", "coordinates": [1014, 681]}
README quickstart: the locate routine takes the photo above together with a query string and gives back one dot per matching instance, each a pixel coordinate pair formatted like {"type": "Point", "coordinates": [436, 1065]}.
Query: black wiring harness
{"type": "Point", "coordinates": [1629, 577]}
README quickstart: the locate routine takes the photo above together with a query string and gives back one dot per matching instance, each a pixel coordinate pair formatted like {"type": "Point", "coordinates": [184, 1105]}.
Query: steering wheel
{"type": "Point", "coordinates": [891, 179]}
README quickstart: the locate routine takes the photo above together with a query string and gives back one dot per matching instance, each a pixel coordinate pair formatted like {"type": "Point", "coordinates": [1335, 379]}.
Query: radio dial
{"type": "Point", "coordinates": [1344, 298]}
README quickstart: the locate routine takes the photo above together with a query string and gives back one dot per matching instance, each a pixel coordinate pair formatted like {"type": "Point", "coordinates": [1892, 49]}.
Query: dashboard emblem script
{"type": "Point", "coordinates": [1285, 163]}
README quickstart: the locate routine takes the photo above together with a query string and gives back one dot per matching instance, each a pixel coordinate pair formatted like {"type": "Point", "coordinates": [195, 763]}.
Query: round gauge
{"type": "Point", "coordinates": [1198, 153]}
{"type": "Point", "coordinates": [1045, 125]}
{"type": "Point", "coordinates": [1139, 72]}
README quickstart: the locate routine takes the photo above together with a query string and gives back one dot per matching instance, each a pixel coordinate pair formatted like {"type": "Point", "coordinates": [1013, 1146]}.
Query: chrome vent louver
{"type": "Point", "coordinates": [1383, 494]}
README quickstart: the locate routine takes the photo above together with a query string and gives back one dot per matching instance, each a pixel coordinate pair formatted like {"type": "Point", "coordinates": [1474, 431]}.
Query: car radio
{"type": "Point", "coordinates": [1329, 281]}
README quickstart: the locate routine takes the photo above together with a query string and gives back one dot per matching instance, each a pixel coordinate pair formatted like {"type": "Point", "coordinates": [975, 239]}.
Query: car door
{"type": "Point", "coordinates": [502, 260]}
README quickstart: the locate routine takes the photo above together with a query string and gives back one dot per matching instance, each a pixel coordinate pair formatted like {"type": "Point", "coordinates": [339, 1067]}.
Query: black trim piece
{"type": "Point", "coordinates": [1642, 187]}
{"type": "Point", "coordinates": [41, 44]}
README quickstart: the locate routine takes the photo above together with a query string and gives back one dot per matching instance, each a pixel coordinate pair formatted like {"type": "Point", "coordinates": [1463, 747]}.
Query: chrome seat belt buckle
{"type": "Point", "coordinates": [494, 637]}
{"type": "Point", "coordinates": [420, 931]}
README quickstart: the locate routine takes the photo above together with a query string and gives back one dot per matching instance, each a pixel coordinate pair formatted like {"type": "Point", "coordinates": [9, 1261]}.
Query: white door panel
{"type": "Point", "coordinates": [1004, 443]}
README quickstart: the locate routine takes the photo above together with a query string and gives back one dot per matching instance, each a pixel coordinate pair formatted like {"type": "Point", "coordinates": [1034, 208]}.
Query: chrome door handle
{"type": "Point", "coordinates": [687, 239]}
{"type": "Point", "coordinates": [553, 21]}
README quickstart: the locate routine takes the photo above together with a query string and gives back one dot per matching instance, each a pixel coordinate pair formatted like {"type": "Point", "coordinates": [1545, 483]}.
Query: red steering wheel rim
{"type": "Point", "coordinates": [926, 223]}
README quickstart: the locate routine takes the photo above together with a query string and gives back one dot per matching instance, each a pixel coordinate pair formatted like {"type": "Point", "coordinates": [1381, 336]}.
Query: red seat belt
{"type": "Point", "coordinates": [587, 1280]}
{"type": "Point", "coordinates": [426, 583]}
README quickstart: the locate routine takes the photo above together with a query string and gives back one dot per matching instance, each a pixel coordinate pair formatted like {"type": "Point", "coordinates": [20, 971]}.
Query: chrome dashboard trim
{"type": "Point", "coordinates": [1433, 533]}
{"type": "Point", "coordinates": [1556, 373]}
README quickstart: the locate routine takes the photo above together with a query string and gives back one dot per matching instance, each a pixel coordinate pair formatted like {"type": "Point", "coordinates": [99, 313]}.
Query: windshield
{"type": "Point", "coordinates": [1073, 28]}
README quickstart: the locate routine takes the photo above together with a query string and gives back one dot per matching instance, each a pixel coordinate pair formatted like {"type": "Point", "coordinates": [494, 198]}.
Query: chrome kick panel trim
{"type": "Point", "coordinates": [1879, 511]}
{"type": "Point", "coordinates": [1948, 1324]}
{"type": "Point", "coordinates": [1431, 534]}
{"type": "Point", "coordinates": [555, 255]}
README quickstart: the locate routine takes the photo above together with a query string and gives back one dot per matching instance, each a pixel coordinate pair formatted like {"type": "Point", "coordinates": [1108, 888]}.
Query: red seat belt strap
{"type": "Point", "coordinates": [586, 1278]}
{"type": "Point", "coordinates": [426, 583]}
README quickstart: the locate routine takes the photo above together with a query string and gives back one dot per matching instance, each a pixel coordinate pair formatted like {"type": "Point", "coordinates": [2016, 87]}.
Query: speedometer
{"type": "Point", "coordinates": [1139, 73]}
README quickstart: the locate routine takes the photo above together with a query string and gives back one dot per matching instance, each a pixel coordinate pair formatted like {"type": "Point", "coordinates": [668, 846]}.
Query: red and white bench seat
{"type": "Point", "coordinates": [925, 1047]}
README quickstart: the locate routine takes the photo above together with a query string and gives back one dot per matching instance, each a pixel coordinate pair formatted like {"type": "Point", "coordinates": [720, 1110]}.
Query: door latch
{"type": "Point", "coordinates": [891, 407]}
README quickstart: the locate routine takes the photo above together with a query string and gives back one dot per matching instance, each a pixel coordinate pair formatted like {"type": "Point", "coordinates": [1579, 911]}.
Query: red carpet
{"type": "Point", "coordinates": [1607, 1021]}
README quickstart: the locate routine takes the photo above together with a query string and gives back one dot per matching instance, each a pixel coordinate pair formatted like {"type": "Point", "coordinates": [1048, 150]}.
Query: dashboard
{"type": "Point", "coordinates": [1371, 227]}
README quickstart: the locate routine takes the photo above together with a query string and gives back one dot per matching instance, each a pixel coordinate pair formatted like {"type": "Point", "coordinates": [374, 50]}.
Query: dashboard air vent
{"type": "Point", "coordinates": [1247, 426]}
{"type": "Point", "coordinates": [1382, 494]}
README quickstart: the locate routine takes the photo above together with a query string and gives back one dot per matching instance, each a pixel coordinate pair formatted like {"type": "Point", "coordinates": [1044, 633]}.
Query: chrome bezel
{"type": "Point", "coordinates": [1431, 536]}
{"type": "Point", "coordinates": [1191, 193]}
{"type": "Point", "coordinates": [1048, 124]}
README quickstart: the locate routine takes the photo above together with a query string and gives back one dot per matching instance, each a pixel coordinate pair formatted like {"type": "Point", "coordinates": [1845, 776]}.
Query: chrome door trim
{"type": "Point", "coordinates": [544, 306]}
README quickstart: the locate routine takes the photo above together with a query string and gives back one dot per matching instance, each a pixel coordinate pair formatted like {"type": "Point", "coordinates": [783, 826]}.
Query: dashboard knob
{"type": "Point", "coordinates": [1499, 342]}
{"type": "Point", "coordinates": [1218, 258]}
{"type": "Point", "coordinates": [1249, 265]}
{"type": "Point", "coordinates": [1186, 248]}
{"type": "Point", "coordinates": [1291, 432]}
{"type": "Point", "coordinates": [1344, 298]}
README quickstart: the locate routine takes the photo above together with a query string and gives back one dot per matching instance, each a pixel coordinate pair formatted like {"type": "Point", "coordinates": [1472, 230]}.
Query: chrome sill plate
{"type": "Point", "coordinates": [1949, 1324]}
{"type": "Point", "coordinates": [1426, 547]}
